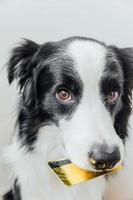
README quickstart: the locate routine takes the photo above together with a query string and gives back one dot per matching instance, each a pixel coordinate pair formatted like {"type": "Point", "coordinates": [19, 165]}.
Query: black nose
{"type": "Point", "coordinates": [103, 157]}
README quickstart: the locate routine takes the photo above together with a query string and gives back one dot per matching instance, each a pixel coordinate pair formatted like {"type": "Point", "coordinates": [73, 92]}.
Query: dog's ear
{"type": "Point", "coordinates": [126, 59]}
{"type": "Point", "coordinates": [19, 66]}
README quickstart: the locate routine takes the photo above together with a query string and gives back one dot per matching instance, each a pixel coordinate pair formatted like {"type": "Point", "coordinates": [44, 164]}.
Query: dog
{"type": "Point", "coordinates": [75, 101]}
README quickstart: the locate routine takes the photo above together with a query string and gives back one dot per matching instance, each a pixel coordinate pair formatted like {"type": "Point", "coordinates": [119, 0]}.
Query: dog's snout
{"type": "Point", "coordinates": [103, 157]}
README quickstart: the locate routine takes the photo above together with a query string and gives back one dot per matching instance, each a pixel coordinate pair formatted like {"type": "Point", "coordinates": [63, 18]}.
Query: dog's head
{"type": "Point", "coordinates": [81, 86]}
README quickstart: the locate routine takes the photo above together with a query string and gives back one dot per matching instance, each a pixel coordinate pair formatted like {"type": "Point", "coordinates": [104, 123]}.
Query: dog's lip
{"type": "Point", "coordinates": [102, 171]}
{"type": "Point", "coordinates": [105, 171]}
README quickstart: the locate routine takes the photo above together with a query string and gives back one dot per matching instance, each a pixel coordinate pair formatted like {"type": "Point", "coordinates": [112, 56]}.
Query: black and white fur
{"type": "Point", "coordinates": [47, 129]}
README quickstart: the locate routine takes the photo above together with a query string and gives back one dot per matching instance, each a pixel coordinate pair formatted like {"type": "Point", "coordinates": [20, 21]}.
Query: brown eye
{"type": "Point", "coordinates": [64, 95]}
{"type": "Point", "coordinates": [112, 96]}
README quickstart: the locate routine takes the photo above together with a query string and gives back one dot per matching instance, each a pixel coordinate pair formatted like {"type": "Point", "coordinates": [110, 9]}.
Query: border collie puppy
{"type": "Point", "coordinates": [74, 102]}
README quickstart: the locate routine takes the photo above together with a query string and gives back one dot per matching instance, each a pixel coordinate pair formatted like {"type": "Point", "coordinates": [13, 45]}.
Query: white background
{"type": "Point", "coordinates": [110, 21]}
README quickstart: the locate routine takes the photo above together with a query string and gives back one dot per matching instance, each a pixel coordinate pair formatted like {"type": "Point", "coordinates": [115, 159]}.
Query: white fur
{"type": "Point", "coordinates": [91, 123]}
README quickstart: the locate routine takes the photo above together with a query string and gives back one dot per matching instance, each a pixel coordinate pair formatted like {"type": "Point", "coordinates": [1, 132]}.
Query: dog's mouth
{"type": "Point", "coordinates": [102, 169]}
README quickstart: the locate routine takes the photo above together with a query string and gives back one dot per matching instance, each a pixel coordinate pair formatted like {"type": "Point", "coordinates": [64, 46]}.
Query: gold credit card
{"type": "Point", "coordinates": [70, 174]}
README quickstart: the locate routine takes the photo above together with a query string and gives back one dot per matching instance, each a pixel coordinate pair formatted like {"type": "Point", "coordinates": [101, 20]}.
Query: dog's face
{"type": "Point", "coordinates": [81, 86]}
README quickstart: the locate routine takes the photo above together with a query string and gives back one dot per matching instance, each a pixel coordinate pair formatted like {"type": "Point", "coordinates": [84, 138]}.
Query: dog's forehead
{"type": "Point", "coordinates": [89, 59]}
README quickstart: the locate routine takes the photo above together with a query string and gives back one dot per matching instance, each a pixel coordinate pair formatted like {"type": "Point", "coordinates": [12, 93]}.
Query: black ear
{"type": "Point", "coordinates": [126, 59]}
{"type": "Point", "coordinates": [19, 66]}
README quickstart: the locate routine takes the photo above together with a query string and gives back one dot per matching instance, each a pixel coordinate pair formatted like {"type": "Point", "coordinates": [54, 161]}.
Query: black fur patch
{"type": "Point", "coordinates": [13, 194]}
